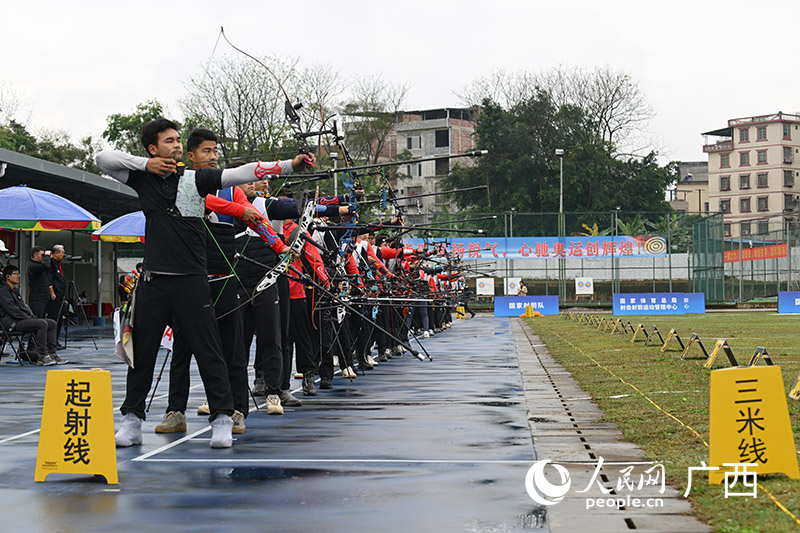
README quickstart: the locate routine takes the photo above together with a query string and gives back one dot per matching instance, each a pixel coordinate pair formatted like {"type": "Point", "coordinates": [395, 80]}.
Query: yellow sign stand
{"type": "Point", "coordinates": [760, 354]}
{"type": "Point", "coordinates": [750, 422]}
{"type": "Point", "coordinates": [460, 312]}
{"type": "Point", "coordinates": [722, 344]}
{"type": "Point", "coordinates": [653, 330]}
{"type": "Point", "coordinates": [639, 329]}
{"type": "Point", "coordinates": [673, 334]}
{"type": "Point", "coordinates": [530, 313]}
{"type": "Point", "coordinates": [695, 339]}
{"type": "Point", "coordinates": [794, 394]}
{"type": "Point", "coordinates": [601, 323]}
{"type": "Point", "coordinates": [77, 433]}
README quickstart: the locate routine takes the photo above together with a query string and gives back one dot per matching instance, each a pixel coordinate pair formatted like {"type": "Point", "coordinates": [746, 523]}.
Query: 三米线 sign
{"type": "Point", "coordinates": [750, 422]}
{"type": "Point", "coordinates": [77, 433]}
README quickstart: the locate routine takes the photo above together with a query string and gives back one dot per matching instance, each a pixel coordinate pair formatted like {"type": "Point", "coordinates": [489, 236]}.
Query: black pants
{"type": "Point", "coordinates": [335, 341]}
{"type": "Point", "coordinates": [262, 317]}
{"type": "Point", "coordinates": [286, 343]}
{"type": "Point", "coordinates": [187, 299]}
{"type": "Point", "coordinates": [55, 310]}
{"type": "Point", "coordinates": [45, 331]}
{"type": "Point", "coordinates": [227, 299]}
{"type": "Point", "coordinates": [300, 333]}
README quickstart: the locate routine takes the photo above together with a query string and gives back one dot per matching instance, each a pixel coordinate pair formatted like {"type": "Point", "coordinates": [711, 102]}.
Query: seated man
{"type": "Point", "coordinates": [16, 316]}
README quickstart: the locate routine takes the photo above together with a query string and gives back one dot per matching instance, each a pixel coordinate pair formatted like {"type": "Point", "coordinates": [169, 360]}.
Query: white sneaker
{"type": "Point", "coordinates": [335, 360]}
{"type": "Point", "coordinates": [203, 409]}
{"type": "Point", "coordinates": [238, 423]}
{"type": "Point", "coordinates": [274, 406]}
{"type": "Point", "coordinates": [130, 431]}
{"type": "Point", "coordinates": [426, 335]}
{"type": "Point", "coordinates": [221, 428]}
{"type": "Point", "coordinates": [349, 373]}
{"type": "Point", "coordinates": [371, 361]}
{"type": "Point", "coordinates": [430, 332]}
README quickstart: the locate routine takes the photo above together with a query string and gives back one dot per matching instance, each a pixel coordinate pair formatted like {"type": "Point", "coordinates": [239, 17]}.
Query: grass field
{"type": "Point", "coordinates": [681, 388]}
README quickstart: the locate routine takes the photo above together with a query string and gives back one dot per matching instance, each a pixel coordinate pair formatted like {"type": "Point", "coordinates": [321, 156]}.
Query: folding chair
{"type": "Point", "coordinates": [7, 337]}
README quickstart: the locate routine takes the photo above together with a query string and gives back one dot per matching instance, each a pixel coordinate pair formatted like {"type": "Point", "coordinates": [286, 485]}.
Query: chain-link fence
{"type": "Point", "coordinates": [698, 253]}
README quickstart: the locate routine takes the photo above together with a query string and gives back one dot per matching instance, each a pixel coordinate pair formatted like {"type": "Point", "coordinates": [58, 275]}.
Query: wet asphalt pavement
{"type": "Point", "coordinates": [440, 445]}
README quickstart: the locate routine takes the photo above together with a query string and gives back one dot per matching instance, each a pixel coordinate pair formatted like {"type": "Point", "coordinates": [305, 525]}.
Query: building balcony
{"type": "Point", "coordinates": [719, 146]}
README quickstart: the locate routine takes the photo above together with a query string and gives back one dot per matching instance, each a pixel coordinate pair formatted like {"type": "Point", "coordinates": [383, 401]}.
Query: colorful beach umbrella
{"type": "Point", "coordinates": [127, 228]}
{"type": "Point", "coordinates": [24, 208]}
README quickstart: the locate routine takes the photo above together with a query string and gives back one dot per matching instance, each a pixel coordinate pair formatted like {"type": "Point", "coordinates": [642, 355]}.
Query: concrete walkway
{"type": "Point", "coordinates": [567, 428]}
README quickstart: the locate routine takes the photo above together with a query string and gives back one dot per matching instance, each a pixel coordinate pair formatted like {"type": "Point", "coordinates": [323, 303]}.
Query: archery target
{"type": "Point", "coordinates": [484, 286]}
{"type": "Point", "coordinates": [584, 286]}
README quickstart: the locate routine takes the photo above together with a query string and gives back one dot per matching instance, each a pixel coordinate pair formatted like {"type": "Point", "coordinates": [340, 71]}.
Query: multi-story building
{"type": "Point", "coordinates": [753, 170]}
{"type": "Point", "coordinates": [691, 191]}
{"type": "Point", "coordinates": [429, 133]}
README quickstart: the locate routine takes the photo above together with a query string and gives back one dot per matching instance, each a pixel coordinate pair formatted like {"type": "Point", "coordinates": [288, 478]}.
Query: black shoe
{"type": "Point", "coordinates": [288, 399]}
{"type": "Point", "coordinates": [259, 387]}
{"type": "Point", "coordinates": [325, 383]}
{"type": "Point", "coordinates": [309, 388]}
{"type": "Point", "coordinates": [60, 346]}
{"type": "Point", "coordinates": [473, 315]}
{"type": "Point", "coordinates": [363, 364]}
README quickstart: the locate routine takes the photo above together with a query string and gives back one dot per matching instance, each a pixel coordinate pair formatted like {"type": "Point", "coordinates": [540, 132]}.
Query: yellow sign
{"type": "Point", "coordinates": [639, 328]}
{"type": "Point", "coordinates": [673, 334]}
{"type": "Point", "coordinates": [750, 422]}
{"type": "Point", "coordinates": [794, 394]}
{"type": "Point", "coordinates": [77, 435]}
{"type": "Point", "coordinates": [460, 315]}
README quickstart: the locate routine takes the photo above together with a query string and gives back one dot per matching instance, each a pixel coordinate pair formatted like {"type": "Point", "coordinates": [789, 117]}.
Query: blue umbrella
{"type": "Point", "coordinates": [127, 228]}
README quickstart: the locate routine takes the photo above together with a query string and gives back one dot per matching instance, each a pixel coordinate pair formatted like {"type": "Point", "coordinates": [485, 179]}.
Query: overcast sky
{"type": "Point", "coordinates": [698, 62]}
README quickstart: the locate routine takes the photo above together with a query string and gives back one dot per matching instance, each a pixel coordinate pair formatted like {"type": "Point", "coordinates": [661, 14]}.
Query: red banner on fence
{"type": "Point", "coordinates": [752, 254]}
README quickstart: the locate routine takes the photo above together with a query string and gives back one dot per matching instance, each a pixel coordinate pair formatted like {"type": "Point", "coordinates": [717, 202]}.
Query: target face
{"type": "Point", "coordinates": [656, 245]}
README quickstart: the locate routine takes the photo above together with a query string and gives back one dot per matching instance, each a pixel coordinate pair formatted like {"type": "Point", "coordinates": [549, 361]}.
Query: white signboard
{"type": "Point", "coordinates": [512, 286]}
{"type": "Point", "coordinates": [584, 286]}
{"type": "Point", "coordinates": [484, 286]}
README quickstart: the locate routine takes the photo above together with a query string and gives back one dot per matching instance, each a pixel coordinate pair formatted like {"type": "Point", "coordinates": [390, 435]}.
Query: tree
{"type": "Point", "coordinates": [612, 101]}
{"type": "Point", "coordinates": [14, 136]}
{"type": "Point", "coordinates": [243, 104]}
{"type": "Point", "coordinates": [124, 132]}
{"type": "Point", "coordinates": [522, 170]}
{"type": "Point", "coordinates": [371, 113]}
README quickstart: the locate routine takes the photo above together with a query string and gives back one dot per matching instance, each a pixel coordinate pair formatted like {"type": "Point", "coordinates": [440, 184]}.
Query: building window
{"type": "Point", "coordinates": [726, 229]}
{"type": "Point", "coordinates": [761, 133]}
{"type": "Point", "coordinates": [725, 206]}
{"type": "Point", "coordinates": [442, 167]}
{"type": "Point", "coordinates": [724, 183]}
{"type": "Point", "coordinates": [744, 159]}
{"type": "Point", "coordinates": [744, 135]}
{"type": "Point", "coordinates": [787, 131]}
{"type": "Point", "coordinates": [763, 181]}
{"type": "Point", "coordinates": [705, 206]}
{"type": "Point", "coordinates": [415, 170]}
{"type": "Point", "coordinates": [763, 203]}
{"type": "Point", "coordinates": [787, 155]}
{"type": "Point", "coordinates": [744, 181]}
{"type": "Point", "coordinates": [413, 191]}
{"type": "Point", "coordinates": [763, 227]}
{"type": "Point", "coordinates": [745, 229]}
{"type": "Point", "coordinates": [442, 138]}
{"type": "Point", "coordinates": [414, 142]}
{"type": "Point", "coordinates": [724, 160]}
{"type": "Point", "coordinates": [788, 178]}
{"type": "Point", "coordinates": [744, 205]}
{"type": "Point", "coordinates": [761, 157]}
{"type": "Point", "coordinates": [788, 202]}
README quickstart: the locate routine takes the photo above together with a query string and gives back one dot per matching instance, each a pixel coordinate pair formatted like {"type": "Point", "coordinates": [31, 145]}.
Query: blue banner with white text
{"type": "Point", "coordinates": [789, 302]}
{"type": "Point", "coordinates": [659, 303]}
{"type": "Point", "coordinates": [515, 305]}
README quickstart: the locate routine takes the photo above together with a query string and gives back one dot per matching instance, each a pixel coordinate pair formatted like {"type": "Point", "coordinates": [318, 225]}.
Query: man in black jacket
{"type": "Point", "coordinates": [41, 287]}
{"type": "Point", "coordinates": [16, 316]}
{"type": "Point", "coordinates": [55, 307]}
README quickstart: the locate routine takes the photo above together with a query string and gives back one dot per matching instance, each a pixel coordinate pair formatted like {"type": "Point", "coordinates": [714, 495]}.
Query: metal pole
{"type": "Point", "coordinates": [669, 249]}
{"type": "Point", "coordinates": [99, 279]}
{"type": "Point", "coordinates": [741, 267]}
{"type": "Point", "coordinates": [789, 254]}
{"type": "Point", "coordinates": [335, 157]}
